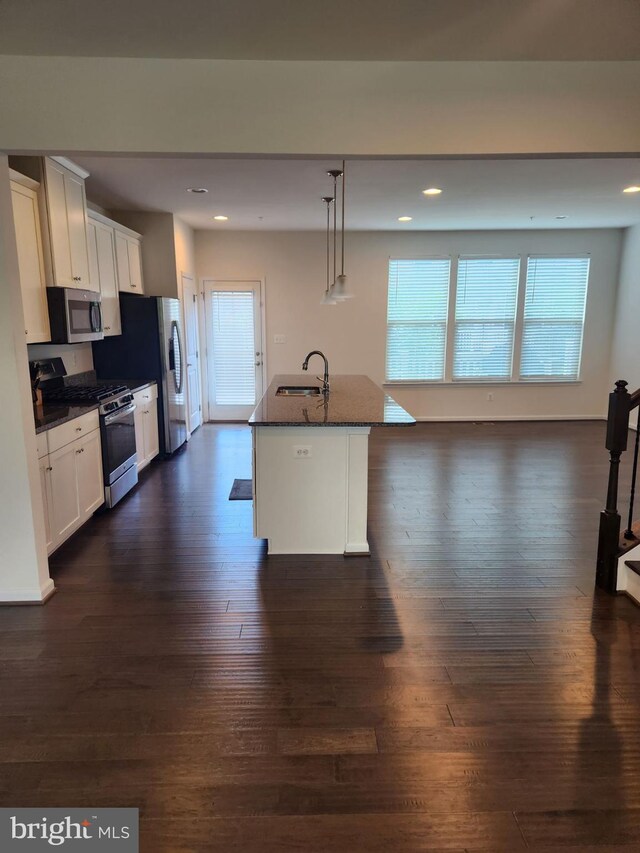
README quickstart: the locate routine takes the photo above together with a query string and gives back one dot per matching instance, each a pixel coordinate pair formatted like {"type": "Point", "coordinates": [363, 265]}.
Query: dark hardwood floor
{"type": "Point", "coordinates": [463, 689]}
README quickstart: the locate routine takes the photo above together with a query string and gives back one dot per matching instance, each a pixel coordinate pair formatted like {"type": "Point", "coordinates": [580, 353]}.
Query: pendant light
{"type": "Point", "coordinates": [335, 174]}
{"type": "Point", "coordinates": [340, 286]}
{"type": "Point", "coordinates": [327, 298]}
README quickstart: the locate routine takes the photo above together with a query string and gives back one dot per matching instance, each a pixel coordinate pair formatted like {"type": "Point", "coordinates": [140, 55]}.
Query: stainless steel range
{"type": "Point", "coordinates": [117, 431]}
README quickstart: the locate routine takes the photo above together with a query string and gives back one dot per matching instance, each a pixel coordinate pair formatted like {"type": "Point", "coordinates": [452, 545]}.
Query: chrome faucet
{"type": "Point", "coordinates": [325, 380]}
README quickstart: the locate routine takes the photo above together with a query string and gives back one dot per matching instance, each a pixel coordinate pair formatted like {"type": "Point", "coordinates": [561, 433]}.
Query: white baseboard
{"type": "Point", "coordinates": [28, 596]}
{"type": "Point", "coordinates": [493, 418]}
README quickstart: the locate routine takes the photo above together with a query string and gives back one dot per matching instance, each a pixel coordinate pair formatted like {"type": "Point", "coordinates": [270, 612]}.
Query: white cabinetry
{"type": "Point", "coordinates": [45, 486]}
{"type": "Point", "coordinates": [89, 473]}
{"type": "Point", "coordinates": [146, 423]}
{"type": "Point", "coordinates": [70, 459]}
{"type": "Point", "coordinates": [129, 262]}
{"type": "Point", "coordinates": [65, 508]}
{"type": "Point", "coordinates": [102, 265]}
{"type": "Point", "coordinates": [67, 221]}
{"type": "Point", "coordinates": [24, 199]}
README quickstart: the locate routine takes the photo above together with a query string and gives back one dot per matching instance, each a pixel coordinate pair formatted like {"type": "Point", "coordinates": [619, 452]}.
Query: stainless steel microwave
{"type": "Point", "coordinates": [75, 315]}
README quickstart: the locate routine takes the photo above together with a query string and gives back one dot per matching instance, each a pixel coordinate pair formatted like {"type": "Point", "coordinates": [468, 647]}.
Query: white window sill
{"type": "Point", "coordinates": [505, 383]}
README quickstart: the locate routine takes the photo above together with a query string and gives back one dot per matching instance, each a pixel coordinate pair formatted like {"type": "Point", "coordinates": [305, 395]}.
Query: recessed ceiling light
{"type": "Point", "coordinates": [431, 191]}
{"type": "Point", "coordinates": [405, 218]}
{"type": "Point", "coordinates": [632, 189]}
{"type": "Point", "coordinates": [221, 218]}
{"type": "Point", "coordinates": [197, 190]}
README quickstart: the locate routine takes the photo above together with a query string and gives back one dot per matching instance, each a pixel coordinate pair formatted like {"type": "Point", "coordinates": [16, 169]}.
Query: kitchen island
{"type": "Point", "coordinates": [310, 463]}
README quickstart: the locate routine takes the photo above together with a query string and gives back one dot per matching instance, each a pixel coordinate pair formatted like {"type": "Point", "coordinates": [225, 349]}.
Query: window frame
{"type": "Point", "coordinates": [557, 256]}
{"type": "Point", "coordinates": [515, 379]}
{"type": "Point", "coordinates": [446, 324]}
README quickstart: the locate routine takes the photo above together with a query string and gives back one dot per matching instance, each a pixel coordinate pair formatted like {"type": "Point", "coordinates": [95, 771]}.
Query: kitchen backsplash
{"type": "Point", "coordinates": [77, 358]}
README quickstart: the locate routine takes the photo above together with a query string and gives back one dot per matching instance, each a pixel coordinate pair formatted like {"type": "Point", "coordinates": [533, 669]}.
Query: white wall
{"type": "Point", "coordinates": [24, 571]}
{"type": "Point", "coordinates": [183, 239]}
{"type": "Point", "coordinates": [103, 104]}
{"type": "Point", "coordinates": [625, 347]}
{"type": "Point", "coordinates": [353, 335]}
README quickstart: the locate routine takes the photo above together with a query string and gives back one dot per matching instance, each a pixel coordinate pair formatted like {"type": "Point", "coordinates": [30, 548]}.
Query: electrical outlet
{"type": "Point", "coordinates": [302, 451]}
{"type": "Point", "coordinates": [490, 396]}
{"type": "Point", "coordinates": [279, 339]}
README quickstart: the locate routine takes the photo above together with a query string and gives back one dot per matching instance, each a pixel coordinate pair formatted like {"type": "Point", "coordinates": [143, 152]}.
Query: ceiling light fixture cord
{"type": "Point", "coordinates": [342, 212]}
{"type": "Point", "coordinates": [335, 226]}
{"type": "Point", "coordinates": [327, 200]}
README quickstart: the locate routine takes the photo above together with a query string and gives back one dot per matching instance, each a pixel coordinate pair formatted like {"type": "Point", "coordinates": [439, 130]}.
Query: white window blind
{"type": "Point", "coordinates": [234, 362]}
{"type": "Point", "coordinates": [554, 311]}
{"type": "Point", "coordinates": [486, 301]}
{"type": "Point", "coordinates": [417, 305]}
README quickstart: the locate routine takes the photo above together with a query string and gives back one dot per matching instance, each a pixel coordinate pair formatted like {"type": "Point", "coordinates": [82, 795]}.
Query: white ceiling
{"type": "Point", "coordinates": [324, 29]}
{"type": "Point", "coordinates": [286, 194]}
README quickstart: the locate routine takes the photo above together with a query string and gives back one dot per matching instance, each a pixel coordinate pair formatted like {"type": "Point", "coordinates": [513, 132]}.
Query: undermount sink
{"type": "Point", "coordinates": [298, 391]}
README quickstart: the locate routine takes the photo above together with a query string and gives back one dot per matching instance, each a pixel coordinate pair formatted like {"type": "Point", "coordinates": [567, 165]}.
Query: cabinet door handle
{"type": "Point", "coordinates": [78, 452]}
{"type": "Point", "coordinates": [78, 429]}
{"type": "Point", "coordinates": [50, 468]}
{"type": "Point", "coordinates": [107, 328]}
{"type": "Point", "coordinates": [26, 331]}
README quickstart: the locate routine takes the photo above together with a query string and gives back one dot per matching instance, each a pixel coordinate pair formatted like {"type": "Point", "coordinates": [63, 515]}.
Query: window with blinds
{"type": "Point", "coordinates": [553, 323]}
{"type": "Point", "coordinates": [233, 348]}
{"type": "Point", "coordinates": [485, 313]}
{"type": "Point", "coordinates": [417, 307]}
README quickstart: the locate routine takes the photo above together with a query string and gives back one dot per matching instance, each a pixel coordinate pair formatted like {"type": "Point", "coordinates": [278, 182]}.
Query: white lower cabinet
{"type": "Point", "coordinates": [71, 480]}
{"type": "Point", "coordinates": [65, 507]}
{"type": "Point", "coordinates": [45, 485]}
{"type": "Point", "coordinates": [146, 423]}
{"type": "Point", "coordinates": [89, 474]}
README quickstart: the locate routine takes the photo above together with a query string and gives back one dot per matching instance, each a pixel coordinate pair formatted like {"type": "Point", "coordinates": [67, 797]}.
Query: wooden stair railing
{"type": "Point", "coordinates": [610, 547]}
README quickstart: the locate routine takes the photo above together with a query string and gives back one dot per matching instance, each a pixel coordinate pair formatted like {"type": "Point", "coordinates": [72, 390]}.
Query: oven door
{"type": "Point", "coordinates": [84, 316]}
{"type": "Point", "coordinates": [118, 435]}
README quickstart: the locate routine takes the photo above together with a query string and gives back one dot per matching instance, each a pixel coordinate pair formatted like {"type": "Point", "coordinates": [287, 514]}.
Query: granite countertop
{"type": "Point", "coordinates": [352, 401]}
{"type": "Point", "coordinates": [133, 385]}
{"type": "Point", "coordinates": [54, 414]}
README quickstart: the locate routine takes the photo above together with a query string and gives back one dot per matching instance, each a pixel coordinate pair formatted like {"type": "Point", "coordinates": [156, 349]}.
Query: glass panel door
{"type": "Point", "coordinates": [234, 332]}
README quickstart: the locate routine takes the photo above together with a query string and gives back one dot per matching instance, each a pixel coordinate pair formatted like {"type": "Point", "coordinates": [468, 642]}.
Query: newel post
{"type": "Point", "coordinates": [616, 444]}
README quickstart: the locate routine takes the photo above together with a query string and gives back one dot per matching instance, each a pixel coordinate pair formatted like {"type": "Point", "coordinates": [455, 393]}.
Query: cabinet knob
{"type": "Point", "coordinates": [134, 285]}
{"type": "Point", "coordinates": [78, 429]}
{"type": "Point", "coordinates": [49, 468]}
{"type": "Point", "coordinates": [26, 331]}
{"type": "Point", "coordinates": [78, 452]}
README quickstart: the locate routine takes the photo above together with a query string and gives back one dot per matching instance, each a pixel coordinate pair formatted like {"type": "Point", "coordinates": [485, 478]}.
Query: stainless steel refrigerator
{"type": "Point", "coordinates": [150, 347]}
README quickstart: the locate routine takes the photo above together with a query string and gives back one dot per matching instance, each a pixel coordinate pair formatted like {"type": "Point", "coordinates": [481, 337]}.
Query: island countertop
{"type": "Point", "coordinates": [353, 401]}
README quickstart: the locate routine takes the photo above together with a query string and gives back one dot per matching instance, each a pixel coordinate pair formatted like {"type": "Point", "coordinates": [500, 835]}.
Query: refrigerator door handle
{"type": "Point", "coordinates": [175, 363]}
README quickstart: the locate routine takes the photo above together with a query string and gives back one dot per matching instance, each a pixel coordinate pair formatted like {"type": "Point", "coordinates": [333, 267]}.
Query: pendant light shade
{"type": "Point", "coordinates": [340, 289]}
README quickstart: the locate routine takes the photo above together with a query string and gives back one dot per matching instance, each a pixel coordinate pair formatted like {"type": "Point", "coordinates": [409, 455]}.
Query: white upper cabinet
{"type": "Point", "coordinates": [102, 269]}
{"type": "Point", "coordinates": [67, 222]}
{"type": "Point", "coordinates": [24, 198]}
{"type": "Point", "coordinates": [129, 262]}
